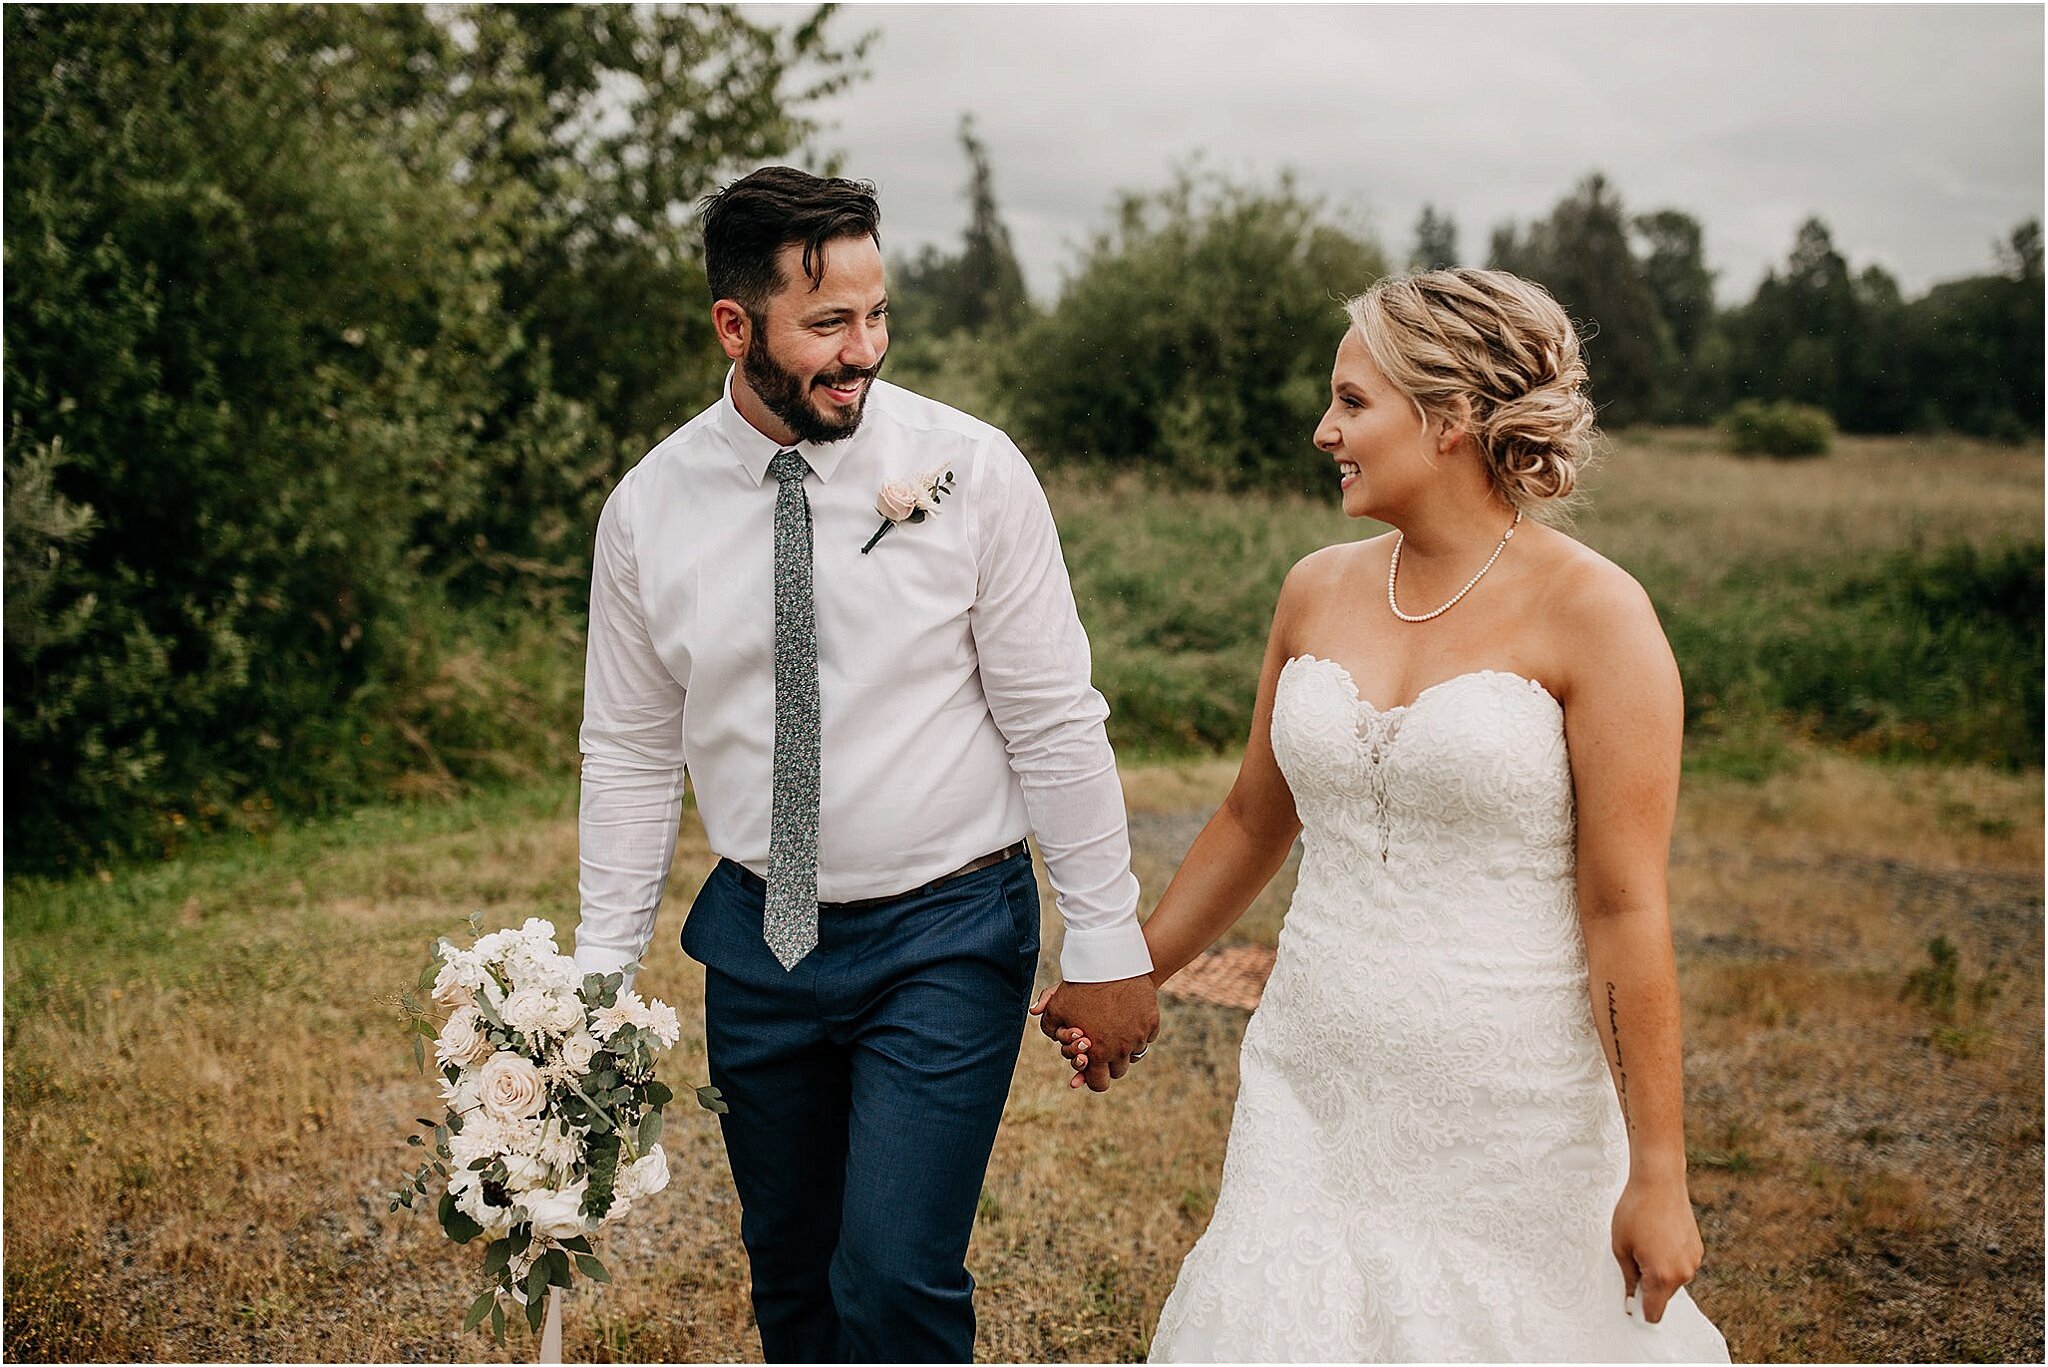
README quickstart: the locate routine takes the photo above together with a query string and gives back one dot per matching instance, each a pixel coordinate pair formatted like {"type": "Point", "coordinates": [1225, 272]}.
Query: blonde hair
{"type": "Point", "coordinates": [1497, 352]}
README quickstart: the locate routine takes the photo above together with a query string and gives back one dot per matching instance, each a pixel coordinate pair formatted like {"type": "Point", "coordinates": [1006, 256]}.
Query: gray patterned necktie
{"type": "Point", "coordinates": [791, 922]}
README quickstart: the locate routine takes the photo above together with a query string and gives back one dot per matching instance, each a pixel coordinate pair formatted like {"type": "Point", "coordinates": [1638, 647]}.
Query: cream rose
{"type": "Point", "coordinates": [511, 1087]}
{"type": "Point", "coordinates": [579, 1049]}
{"type": "Point", "coordinates": [899, 499]}
{"type": "Point", "coordinates": [462, 1040]}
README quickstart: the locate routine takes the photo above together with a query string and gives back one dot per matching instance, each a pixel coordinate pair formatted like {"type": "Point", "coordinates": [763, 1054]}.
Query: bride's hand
{"type": "Point", "coordinates": [1073, 1041]}
{"type": "Point", "coordinates": [1656, 1241]}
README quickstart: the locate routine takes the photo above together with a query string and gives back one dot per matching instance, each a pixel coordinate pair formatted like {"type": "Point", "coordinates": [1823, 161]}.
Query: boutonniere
{"type": "Point", "coordinates": [908, 500]}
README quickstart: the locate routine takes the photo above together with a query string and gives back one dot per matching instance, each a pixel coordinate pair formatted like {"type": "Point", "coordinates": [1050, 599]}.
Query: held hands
{"type": "Point", "coordinates": [1101, 1027]}
{"type": "Point", "coordinates": [1656, 1241]}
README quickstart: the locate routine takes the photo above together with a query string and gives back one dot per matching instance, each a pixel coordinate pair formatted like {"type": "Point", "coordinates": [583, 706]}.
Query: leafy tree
{"type": "Point", "coordinates": [981, 289]}
{"type": "Point", "coordinates": [586, 135]}
{"type": "Point", "coordinates": [1436, 241]}
{"type": "Point", "coordinates": [1974, 346]}
{"type": "Point", "coordinates": [292, 299]}
{"type": "Point", "coordinates": [1675, 269]}
{"type": "Point", "coordinates": [1582, 254]}
{"type": "Point", "coordinates": [1196, 336]}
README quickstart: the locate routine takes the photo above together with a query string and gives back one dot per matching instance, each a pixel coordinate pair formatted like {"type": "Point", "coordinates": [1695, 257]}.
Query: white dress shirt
{"type": "Point", "coordinates": [956, 707]}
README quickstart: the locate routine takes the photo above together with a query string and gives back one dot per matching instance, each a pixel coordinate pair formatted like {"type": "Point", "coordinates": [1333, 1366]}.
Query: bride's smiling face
{"type": "Point", "coordinates": [1382, 448]}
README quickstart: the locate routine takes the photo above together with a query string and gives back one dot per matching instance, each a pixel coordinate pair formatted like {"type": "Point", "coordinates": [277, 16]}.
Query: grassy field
{"type": "Point", "coordinates": [1886, 598]}
{"type": "Point", "coordinates": [207, 1089]}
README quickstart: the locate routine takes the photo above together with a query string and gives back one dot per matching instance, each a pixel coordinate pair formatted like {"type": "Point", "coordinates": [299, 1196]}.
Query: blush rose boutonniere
{"type": "Point", "coordinates": [909, 500]}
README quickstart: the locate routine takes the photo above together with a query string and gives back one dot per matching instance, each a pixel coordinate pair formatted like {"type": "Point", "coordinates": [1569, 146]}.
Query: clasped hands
{"type": "Point", "coordinates": [1101, 1028]}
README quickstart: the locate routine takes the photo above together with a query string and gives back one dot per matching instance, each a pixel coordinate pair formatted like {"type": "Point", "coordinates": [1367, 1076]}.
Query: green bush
{"type": "Point", "coordinates": [293, 403]}
{"type": "Point", "coordinates": [1781, 429]}
{"type": "Point", "coordinates": [1195, 339]}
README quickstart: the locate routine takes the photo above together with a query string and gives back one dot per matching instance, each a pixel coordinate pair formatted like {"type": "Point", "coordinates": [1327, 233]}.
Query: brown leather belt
{"type": "Point", "coordinates": [753, 882]}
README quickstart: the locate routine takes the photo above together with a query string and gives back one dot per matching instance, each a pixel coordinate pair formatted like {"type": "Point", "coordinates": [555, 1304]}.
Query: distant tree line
{"type": "Point", "coordinates": [1219, 284]}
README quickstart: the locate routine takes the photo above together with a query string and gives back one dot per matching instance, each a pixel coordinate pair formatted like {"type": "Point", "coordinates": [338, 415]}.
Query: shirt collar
{"type": "Point", "coordinates": [755, 450]}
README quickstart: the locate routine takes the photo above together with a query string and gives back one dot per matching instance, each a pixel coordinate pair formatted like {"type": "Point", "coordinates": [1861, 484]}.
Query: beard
{"type": "Point", "coordinates": [788, 395]}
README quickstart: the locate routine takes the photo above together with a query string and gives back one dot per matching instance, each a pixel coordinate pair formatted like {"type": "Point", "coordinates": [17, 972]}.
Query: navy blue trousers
{"type": "Point", "coordinates": [866, 1085]}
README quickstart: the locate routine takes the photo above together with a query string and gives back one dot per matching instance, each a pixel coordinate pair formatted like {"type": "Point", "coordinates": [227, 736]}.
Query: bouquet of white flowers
{"type": "Point", "coordinates": [554, 1113]}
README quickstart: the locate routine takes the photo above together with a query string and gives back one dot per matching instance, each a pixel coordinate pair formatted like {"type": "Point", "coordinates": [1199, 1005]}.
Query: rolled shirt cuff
{"type": "Point", "coordinates": [1105, 954]}
{"type": "Point", "coordinates": [599, 960]}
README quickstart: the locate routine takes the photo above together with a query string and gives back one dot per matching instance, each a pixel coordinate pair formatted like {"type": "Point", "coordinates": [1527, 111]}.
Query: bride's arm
{"type": "Point", "coordinates": [1624, 723]}
{"type": "Point", "coordinates": [1247, 840]}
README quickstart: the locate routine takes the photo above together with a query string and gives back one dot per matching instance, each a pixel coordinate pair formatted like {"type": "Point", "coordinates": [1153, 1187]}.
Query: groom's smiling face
{"type": "Point", "coordinates": [813, 352]}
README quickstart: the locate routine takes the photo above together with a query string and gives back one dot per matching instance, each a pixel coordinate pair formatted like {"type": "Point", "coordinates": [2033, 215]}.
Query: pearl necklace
{"type": "Point", "coordinates": [1394, 568]}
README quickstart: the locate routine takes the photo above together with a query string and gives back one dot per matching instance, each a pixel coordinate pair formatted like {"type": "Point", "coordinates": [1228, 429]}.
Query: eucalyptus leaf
{"type": "Point", "coordinates": [479, 1309]}
{"type": "Point", "coordinates": [537, 1294]}
{"type": "Point", "coordinates": [497, 1256]}
{"type": "Point", "coordinates": [650, 1130]}
{"type": "Point", "coordinates": [558, 1268]}
{"type": "Point", "coordinates": [592, 1269]}
{"type": "Point", "coordinates": [498, 1323]}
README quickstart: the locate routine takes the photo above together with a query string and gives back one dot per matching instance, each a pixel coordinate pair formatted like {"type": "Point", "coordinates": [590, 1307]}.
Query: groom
{"type": "Point", "coordinates": [874, 711]}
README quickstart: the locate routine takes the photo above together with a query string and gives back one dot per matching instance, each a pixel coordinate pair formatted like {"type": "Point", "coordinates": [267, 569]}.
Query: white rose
{"type": "Point", "coordinates": [646, 1176]}
{"type": "Point", "coordinates": [565, 1012]}
{"type": "Point", "coordinates": [579, 1049]}
{"type": "Point", "coordinates": [462, 1040]}
{"type": "Point", "coordinates": [556, 1214]}
{"type": "Point", "coordinates": [527, 1010]}
{"type": "Point", "coordinates": [510, 1087]}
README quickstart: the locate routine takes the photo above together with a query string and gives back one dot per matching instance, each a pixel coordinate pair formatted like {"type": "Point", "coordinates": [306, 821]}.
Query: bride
{"type": "Point", "coordinates": [1459, 1127]}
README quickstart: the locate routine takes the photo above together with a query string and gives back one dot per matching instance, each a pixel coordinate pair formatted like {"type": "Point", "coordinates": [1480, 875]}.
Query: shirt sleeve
{"type": "Point", "coordinates": [1035, 673]}
{"type": "Point", "coordinates": [632, 744]}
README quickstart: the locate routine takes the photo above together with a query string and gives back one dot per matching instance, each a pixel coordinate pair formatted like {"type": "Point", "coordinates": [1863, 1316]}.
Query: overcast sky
{"type": "Point", "coordinates": [1914, 132]}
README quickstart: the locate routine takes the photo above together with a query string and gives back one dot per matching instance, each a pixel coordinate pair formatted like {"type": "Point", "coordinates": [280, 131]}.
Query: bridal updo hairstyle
{"type": "Point", "coordinates": [1506, 348]}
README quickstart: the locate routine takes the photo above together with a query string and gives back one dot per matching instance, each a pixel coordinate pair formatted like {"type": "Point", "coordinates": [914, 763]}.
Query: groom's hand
{"type": "Point", "coordinates": [1116, 1018]}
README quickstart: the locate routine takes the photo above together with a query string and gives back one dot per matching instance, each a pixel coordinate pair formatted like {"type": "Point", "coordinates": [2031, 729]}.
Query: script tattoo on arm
{"type": "Point", "coordinates": [1620, 1071]}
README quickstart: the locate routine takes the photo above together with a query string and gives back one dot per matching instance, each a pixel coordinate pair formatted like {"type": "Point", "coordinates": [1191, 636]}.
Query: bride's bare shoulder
{"type": "Point", "coordinates": [1333, 566]}
{"type": "Point", "coordinates": [1601, 617]}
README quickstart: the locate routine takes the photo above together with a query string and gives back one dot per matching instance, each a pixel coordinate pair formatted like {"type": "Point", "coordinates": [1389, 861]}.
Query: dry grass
{"type": "Point", "coordinates": [1674, 494]}
{"type": "Point", "coordinates": [206, 1098]}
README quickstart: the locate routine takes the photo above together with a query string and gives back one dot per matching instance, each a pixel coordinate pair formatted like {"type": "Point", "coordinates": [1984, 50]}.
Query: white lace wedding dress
{"type": "Point", "coordinates": [1427, 1146]}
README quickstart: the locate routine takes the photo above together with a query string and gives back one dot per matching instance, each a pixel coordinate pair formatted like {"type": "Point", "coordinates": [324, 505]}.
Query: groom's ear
{"type": "Point", "coordinates": [734, 326]}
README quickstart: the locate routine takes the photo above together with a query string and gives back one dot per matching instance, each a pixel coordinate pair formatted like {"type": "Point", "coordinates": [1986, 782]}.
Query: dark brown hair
{"type": "Point", "coordinates": [749, 222]}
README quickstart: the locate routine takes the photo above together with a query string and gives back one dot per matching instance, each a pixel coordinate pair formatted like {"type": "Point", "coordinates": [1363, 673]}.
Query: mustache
{"type": "Point", "coordinates": [846, 377]}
